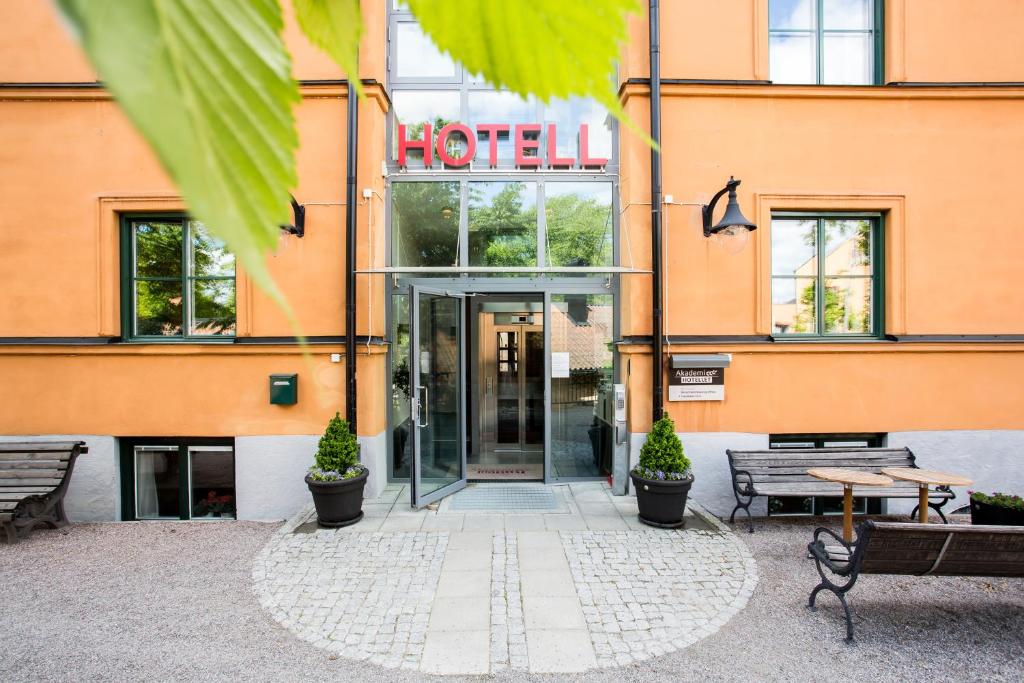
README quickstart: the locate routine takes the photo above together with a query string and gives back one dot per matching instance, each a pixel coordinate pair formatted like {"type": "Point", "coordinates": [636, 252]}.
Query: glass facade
{"type": "Point", "coordinates": [488, 230]}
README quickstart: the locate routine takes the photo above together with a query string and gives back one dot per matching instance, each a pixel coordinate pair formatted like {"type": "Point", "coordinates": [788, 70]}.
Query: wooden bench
{"type": "Point", "coordinates": [915, 550]}
{"type": "Point", "coordinates": [34, 477]}
{"type": "Point", "coordinates": [783, 472]}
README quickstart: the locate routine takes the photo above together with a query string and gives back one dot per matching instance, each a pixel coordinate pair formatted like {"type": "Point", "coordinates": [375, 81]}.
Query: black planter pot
{"type": "Point", "coordinates": [661, 503]}
{"type": "Point", "coordinates": [338, 503]}
{"type": "Point", "coordinates": [986, 513]}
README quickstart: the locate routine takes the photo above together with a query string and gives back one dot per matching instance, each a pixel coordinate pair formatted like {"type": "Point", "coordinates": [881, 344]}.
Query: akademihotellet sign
{"type": "Point", "coordinates": [526, 141]}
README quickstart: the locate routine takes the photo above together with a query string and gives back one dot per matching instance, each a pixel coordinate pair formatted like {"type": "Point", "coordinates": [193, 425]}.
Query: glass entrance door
{"type": "Point", "coordinates": [437, 398]}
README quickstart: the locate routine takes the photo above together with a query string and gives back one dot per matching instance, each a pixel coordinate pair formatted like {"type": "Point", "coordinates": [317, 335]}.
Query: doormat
{"type": "Point", "coordinates": [514, 472]}
{"type": "Point", "coordinates": [522, 497]}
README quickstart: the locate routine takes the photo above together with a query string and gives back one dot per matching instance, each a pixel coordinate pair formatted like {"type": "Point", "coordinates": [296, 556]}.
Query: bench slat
{"type": "Point", "coordinates": [37, 446]}
{"type": "Point", "coordinates": [25, 489]}
{"type": "Point", "coordinates": [31, 474]}
{"type": "Point", "coordinates": [823, 489]}
{"type": "Point", "coordinates": [53, 482]}
{"type": "Point", "coordinates": [8, 505]}
{"type": "Point", "coordinates": [6, 516]}
{"type": "Point", "coordinates": [19, 495]}
{"type": "Point", "coordinates": [798, 478]}
{"type": "Point", "coordinates": [34, 455]}
{"type": "Point", "coordinates": [895, 548]}
{"type": "Point", "coordinates": [848, 463]}
{"type": "Point", "coordinates": [33, 465]}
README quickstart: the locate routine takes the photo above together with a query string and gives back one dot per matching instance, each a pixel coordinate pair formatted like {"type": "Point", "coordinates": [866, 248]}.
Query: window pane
{"type": "Point", "coordinates": [581, 443]}
{"type": "Point", "coordinates": [794, 247]}
{"type": "Point", "coordinates": [401, 437]}
{"type": "Point", "coordinates": [848, 247]}
{"type": "Point", "coordinates": [158, 249]}
{"type": "Point", "coordinates": [156, 482]}
{"type": "Point", "coordinates": [793, 58]}
{"type": "Point", "coordinates": [793, 14]}
{"type": "Point", "coordinates": [425, 224]}
{"type": "Point", "coordinates": [848, 59]}
{"type": "Point", "coordinates": [210, 256]}
{"type": "Point", "coordinates": [579, 223]}
{"type": "Point", "coordinates": [793, 306]}
{"type": "Point", "coordinates": [416, 107]}
{"type": "Point", "coordinates": [848, 306]}
{"type": "Point", "coordinates": [158, 310]}
{"type": "Point", "coordinates": [848, 14]}
{"type": "Point", "coordinates": [568, 115]}
{"type": "Point", "coordinates": [417, 57]}
{"type": "Point", "coordinates": [502, 224]}
{"type": "Point", "coordinates": [213, 307]}
{"type": "Point", "coordinates": [500, 107]}
{"type": "Point", "coordinates": [213, 481]}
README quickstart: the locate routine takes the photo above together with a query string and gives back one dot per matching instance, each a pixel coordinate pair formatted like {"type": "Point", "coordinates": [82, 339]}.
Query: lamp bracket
{"type": "Point", "coordinates": [707, 210]}
{"type": "Point", "coordinates": [298, 226]}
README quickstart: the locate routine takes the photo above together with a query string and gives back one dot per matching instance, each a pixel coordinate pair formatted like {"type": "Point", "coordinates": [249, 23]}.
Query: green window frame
{"type": "Point", "coordinates": [819, 32]}
{"type": "Point", "coordinates": [200, 271]}
{"type": "Point", "coordinates": [182, 490]}
{"type": "Point", "coordinates": [825, 308]}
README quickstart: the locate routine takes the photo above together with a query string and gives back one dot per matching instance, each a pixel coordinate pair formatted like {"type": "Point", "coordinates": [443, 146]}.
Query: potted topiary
{"type": "Point", "coordinates": [338, 478]}
{"type": "Point", "coordinates": [997, 508]}
{"type": "Point", "coordinates": [662, 478]}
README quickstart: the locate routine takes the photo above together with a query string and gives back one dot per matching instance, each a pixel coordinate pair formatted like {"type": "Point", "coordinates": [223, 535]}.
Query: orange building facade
{"type": "Point", "coordinates": [504, 307]}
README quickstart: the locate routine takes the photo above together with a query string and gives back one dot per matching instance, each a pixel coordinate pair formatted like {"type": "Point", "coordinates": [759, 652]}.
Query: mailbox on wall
{"type": "Point", "coordinates": [284, 389]}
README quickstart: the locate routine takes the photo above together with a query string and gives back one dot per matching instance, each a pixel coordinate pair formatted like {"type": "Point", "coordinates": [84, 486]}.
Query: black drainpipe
{"type": "Point", "coordinates": [350, 257]}
{"type": "Point", "coordinates": [656, 332]}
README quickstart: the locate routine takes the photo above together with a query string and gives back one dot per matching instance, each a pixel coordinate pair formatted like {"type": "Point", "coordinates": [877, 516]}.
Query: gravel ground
{"type": "Point", "coordinates": [173, 601]}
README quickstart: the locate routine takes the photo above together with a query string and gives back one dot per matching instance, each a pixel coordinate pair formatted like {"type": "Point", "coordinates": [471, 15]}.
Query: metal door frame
{"type": "Point", "coordinates": [415, 499]}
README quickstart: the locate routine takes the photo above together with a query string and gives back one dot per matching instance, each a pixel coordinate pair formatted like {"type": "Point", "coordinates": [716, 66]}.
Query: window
{"type": "Point", "coordinates": [825, 275]}
{"type": "Point", "coordinates": [502, 224]}
{"type": "Point", "coordinates": [178, 281]}
{"type": "Point", "coordinates": [164, 478]}
{"type": "Point", "coordinates": [425, 224]}
{"type": "Point", "coordinates": [826, 505]}
{"type": "Point", "coordinates": [835, 42]}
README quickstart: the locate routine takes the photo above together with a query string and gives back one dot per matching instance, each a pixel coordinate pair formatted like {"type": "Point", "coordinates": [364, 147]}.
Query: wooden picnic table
{"type": "Point", "coordinates": [924, 479]}
{"type": "Point", "coordinates": [849, 479]}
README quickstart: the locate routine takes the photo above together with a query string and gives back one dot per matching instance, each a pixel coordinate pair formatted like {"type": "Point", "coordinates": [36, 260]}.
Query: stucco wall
{"type": "Point", "coordinates": [270, 473]}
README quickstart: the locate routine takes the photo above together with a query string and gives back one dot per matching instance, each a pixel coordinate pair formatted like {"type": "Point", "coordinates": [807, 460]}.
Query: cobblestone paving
{"type": "Point", "coordinates": [646, 593]}
{"type": "Point", "coordinates": [369, 596]}
{"type": "Point", "coordinates": [363, 596]}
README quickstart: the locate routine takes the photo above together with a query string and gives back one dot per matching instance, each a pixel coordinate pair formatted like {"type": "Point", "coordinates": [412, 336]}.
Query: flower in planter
{"type": "Point", "coordinates": [662, 456]}
{"type": "Point", "coordinates": [337, 456]}
{"type": "Point", "coordinates": [1005, 500]}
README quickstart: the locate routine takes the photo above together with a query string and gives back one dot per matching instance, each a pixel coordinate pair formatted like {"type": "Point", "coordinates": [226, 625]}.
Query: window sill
{"type": "Point", "coordinates": [829, 340]}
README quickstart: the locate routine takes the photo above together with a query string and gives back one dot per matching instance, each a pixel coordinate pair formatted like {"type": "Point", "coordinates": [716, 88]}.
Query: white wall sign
{"type": "Point", "coordinates": [559, 363]}
{"type": "Point", "coordinates": [696, 384]}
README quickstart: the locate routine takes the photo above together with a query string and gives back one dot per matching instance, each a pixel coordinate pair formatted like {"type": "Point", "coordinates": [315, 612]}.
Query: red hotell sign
{"type": "Point", "coordinates": [491, 131]}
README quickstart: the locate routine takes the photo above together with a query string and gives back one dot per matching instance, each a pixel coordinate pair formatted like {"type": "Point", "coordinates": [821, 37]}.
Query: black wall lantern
{"type": "Point", "coordinates": [298, 227]}
{"type": "Point", "coordinates": [733, 220]}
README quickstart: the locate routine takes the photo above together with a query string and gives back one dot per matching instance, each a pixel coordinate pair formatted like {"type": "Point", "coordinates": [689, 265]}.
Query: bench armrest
{"type": "Point", "coordinates": [748, 486]}
{"type": "Point", "coordinates": [817, 549]}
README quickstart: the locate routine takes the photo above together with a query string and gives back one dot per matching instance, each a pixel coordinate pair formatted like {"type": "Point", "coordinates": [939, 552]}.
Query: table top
{"type": "Point", "coordinates": [926, 476]}
{"type": "Point", "coordinates": [845, 476]}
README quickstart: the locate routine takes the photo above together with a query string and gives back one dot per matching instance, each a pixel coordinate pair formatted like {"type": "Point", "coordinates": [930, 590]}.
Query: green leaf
{"type": "Point", "coordinates": [548, 48]}
{"type": "Point", "coordinates": [335, 27]}
{"type": "Point", "coordinates": [208, 85]}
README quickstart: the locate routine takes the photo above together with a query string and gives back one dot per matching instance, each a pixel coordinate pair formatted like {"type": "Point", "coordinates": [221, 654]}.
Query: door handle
{"type": "Point", "coordinates": [423, 407]}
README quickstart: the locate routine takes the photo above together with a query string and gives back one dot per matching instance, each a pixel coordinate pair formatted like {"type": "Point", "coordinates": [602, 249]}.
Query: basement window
{"type": "Point", "coordinates": [166, 478]}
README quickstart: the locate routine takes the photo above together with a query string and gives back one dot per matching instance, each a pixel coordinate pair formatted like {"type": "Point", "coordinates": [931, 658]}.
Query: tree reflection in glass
{"type": "Point", "coordinates": [502, 224]}
{"type": "Point", "coordinates": [425, 224]}
{"type": "Point", "coordinates": [579, 223]}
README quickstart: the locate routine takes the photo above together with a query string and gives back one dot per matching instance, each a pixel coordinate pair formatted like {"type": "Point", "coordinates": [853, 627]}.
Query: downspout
{"type": "Point", "coordinates": [350, 256]}
{"type": "Point", "coordinates": [657, 335]}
